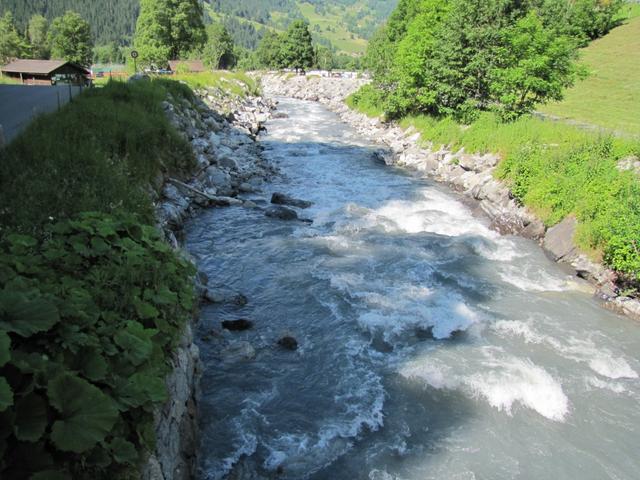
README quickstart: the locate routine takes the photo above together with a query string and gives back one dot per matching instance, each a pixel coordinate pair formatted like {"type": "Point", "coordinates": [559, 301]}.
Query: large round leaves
{"type": "Point", "coordinates": [87, 414]}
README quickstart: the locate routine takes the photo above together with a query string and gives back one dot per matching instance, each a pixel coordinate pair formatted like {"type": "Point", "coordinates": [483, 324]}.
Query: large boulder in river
{"type": "Point", "coordinates": [237, 325]}
{"type": "Point", "coordinates": [283, 213]}
{"type": "Point", "coordinates": [559, 239]}
{"type": "Point", "coordinates": [282, 199]}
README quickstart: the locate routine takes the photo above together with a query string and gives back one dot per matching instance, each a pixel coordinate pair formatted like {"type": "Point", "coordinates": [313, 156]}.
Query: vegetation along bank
{"type": "Point", "coordinates": [97, 367]}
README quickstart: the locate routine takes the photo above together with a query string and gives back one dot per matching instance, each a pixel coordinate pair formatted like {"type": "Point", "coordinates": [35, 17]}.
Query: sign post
{"type": "Point", "coordinates": [134, 55]}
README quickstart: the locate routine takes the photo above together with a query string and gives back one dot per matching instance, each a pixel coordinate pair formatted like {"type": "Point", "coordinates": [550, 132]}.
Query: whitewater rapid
{"type": "Point", "coordinates": [430, 347]}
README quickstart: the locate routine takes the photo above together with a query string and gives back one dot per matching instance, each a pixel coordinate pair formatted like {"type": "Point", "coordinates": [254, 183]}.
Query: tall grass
{"type": "Point", "coordinates": [99, 153]}
{"type": "Point", "coordinates": [236, 83]}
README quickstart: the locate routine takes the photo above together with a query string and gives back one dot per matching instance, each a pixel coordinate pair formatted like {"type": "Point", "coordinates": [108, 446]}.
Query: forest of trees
{"type": "Point", "coordinates": [67, 37]}
{"type": "Point", "coordinates": [113, 23]}
{"type": "Point", "coordinates": [459, 57]}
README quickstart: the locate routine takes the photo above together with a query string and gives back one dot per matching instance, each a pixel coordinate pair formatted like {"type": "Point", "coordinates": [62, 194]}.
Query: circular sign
{"type": "Point", "coordinates": [134, 54]}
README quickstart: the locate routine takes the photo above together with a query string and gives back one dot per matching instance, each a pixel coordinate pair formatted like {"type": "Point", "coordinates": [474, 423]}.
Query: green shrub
{"type": "Point", "coordinates": [88, 319]}
{"type": "Point", "coordinates": [99, 153]}
{"type": "Point", "coordinates": [583, 180]}
{"type": "Point", "coordinates": [368, 100]}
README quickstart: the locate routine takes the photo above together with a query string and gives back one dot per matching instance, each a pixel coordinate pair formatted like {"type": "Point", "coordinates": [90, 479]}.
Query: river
{"type": "Point", "coordinates": [430, 347]}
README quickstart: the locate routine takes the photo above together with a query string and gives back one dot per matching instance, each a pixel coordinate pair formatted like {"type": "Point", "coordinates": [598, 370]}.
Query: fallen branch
{"type": "Point", "coordinates": [192, 189]}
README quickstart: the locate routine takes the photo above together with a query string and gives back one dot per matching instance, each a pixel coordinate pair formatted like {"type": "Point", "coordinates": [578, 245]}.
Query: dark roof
{"type": "Point", "coordinates": [194, 66]}
{"type": "Point", "coordinates": [39, 67]}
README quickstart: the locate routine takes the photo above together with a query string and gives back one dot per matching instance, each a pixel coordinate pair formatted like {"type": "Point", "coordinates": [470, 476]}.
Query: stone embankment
{"type": "Point", "coordinates": [466, 172]}
{"type": "Point", "coordinates": [222, 131]}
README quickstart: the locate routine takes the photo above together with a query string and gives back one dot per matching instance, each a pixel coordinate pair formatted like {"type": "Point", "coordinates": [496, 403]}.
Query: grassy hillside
{"type": "Point", "coordinates": [330, 25]}
{"type": "Point", "coordinates": [610, 96]}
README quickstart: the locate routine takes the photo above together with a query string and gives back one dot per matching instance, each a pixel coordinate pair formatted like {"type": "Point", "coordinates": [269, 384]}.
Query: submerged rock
{"type": "Point", "coordinates": [237, 325]}
{"type": "Point", "coordinates": [288, 343]}
{"type": "Point", "coordinates": [238, 351]}
{"type": "Point", "coordinates": [212, 296]}
{"type": "Point", "coordinates": [283, 213]}
{"type": "Point", "coordinates": [240, 300]}
{"type": "Point", "coordinates": [282, 199]}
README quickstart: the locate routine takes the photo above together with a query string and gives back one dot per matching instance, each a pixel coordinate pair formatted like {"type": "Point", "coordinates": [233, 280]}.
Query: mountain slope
{"type": "Point", "coordinates": [345, 24]}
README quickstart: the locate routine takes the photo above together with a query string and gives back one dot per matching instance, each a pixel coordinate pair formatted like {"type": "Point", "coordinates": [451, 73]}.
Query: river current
{"type": "Point", "coordinates": [430, 347]}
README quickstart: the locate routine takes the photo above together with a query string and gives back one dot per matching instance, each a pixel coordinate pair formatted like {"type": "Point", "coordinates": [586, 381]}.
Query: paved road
{"type": "Point", "coordinates": [20, 104]}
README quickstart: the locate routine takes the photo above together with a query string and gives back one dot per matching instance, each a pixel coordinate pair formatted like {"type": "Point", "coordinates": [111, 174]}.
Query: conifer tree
{"type": "Point", "coordinates": [297, 49]}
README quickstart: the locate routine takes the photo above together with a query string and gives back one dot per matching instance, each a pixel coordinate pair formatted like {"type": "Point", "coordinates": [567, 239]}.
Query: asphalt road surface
{"type": "Point", "coordinates": [20, 104]}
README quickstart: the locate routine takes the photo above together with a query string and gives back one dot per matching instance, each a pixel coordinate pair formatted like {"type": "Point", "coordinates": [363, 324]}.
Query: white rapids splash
{"type": "Point", "coordinates": [430, 347]}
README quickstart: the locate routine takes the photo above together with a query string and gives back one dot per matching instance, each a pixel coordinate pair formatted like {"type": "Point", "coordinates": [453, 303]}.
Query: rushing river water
{"type": "Point", "coordinates": [430, 346]}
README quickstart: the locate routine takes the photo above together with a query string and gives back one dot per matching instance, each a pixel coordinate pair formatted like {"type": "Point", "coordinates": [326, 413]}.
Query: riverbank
{"type": "Point", "coordinates": [465, 172]}
{"type": "Point", "coordinates": [221, 128]}
{"type": "Point", "coordinates": [92, 277]}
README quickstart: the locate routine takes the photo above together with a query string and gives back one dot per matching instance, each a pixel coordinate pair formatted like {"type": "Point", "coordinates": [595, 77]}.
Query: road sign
{"type": "Point", "coordinates": [134, 54]}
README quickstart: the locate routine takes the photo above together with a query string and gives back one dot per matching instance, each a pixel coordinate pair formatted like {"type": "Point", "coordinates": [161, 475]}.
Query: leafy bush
{"type": "Point", "coordinates": [99, 153]}
{"type": "Point", "coordinates": [88, 319]}
{"type": "Point", "coordinates": [367, 100]}
{"type": "Point", "coordinates": [582, 180]}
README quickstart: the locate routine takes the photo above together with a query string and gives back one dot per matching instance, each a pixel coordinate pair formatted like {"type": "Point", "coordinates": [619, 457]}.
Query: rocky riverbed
{"type": "Point", "coordinates": [222, 131]}
{"type": "Point", "coordinates": [466, 172]}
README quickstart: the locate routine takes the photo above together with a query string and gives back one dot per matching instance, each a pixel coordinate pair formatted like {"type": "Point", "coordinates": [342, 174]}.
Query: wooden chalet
{"type": "Point", "coordinates": [47, 72]}
{"type": "Point", "coordinates": [190, 66]}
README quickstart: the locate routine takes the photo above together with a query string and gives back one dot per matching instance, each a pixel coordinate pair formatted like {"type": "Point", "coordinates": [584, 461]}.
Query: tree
{"type": "Point", "coordinates": [324, 59]}
{"type": "Point", "coordinates": [70, 39]}
{"type": "Point", "coordinates": [168, 29]}
{"type": "Point", "coordinates": [37, 31]}
{"type": "Point", "coordinates": [12, 45]}
{"type": "Point", "coordinates": [595, 18]}
{"type": "Point", "coordinates": [458, 57]}
{"type": "Point", "coordinates": [297, 49]}
{"type": "Point", "coordinates": [218, 52]}
{"type": "Point", "coordinates": [535, 65]}
{"type": "Point", "coordinates": [269, 52]}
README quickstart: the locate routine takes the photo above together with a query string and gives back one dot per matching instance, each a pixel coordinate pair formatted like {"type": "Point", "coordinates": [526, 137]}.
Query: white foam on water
{"type": "Point", "coordinates": [598, 358]}
{"type": "Point", "coordinates": [614, 387]}
{"type": "Point", "coordinates": [533, 278]}
{"type": "Point", "coordinates": [377, 474]}
{"type": "Point", "coordinates": [523, 382]}
{"type": "Point", "coordinates": [612, 367]}
{"type": "Point", "coordinates": [500, 379]}
{"type": "Point", "coordinates": [436, 213]}
{"type": "Point", "coordinates": [394, 309]}
{"type": "Point", "coordinates": [305, 454]}
{"type": "Point", "coordinates": [444, 314]}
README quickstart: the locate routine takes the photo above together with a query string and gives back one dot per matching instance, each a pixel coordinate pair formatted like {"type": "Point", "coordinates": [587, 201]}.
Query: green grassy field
{"type": "Point", "coordinates": [236, 83]}
{"type": "Point", "coordinates": [331, 28]}
{"type": "Point", "coordinates": [610, 96]}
